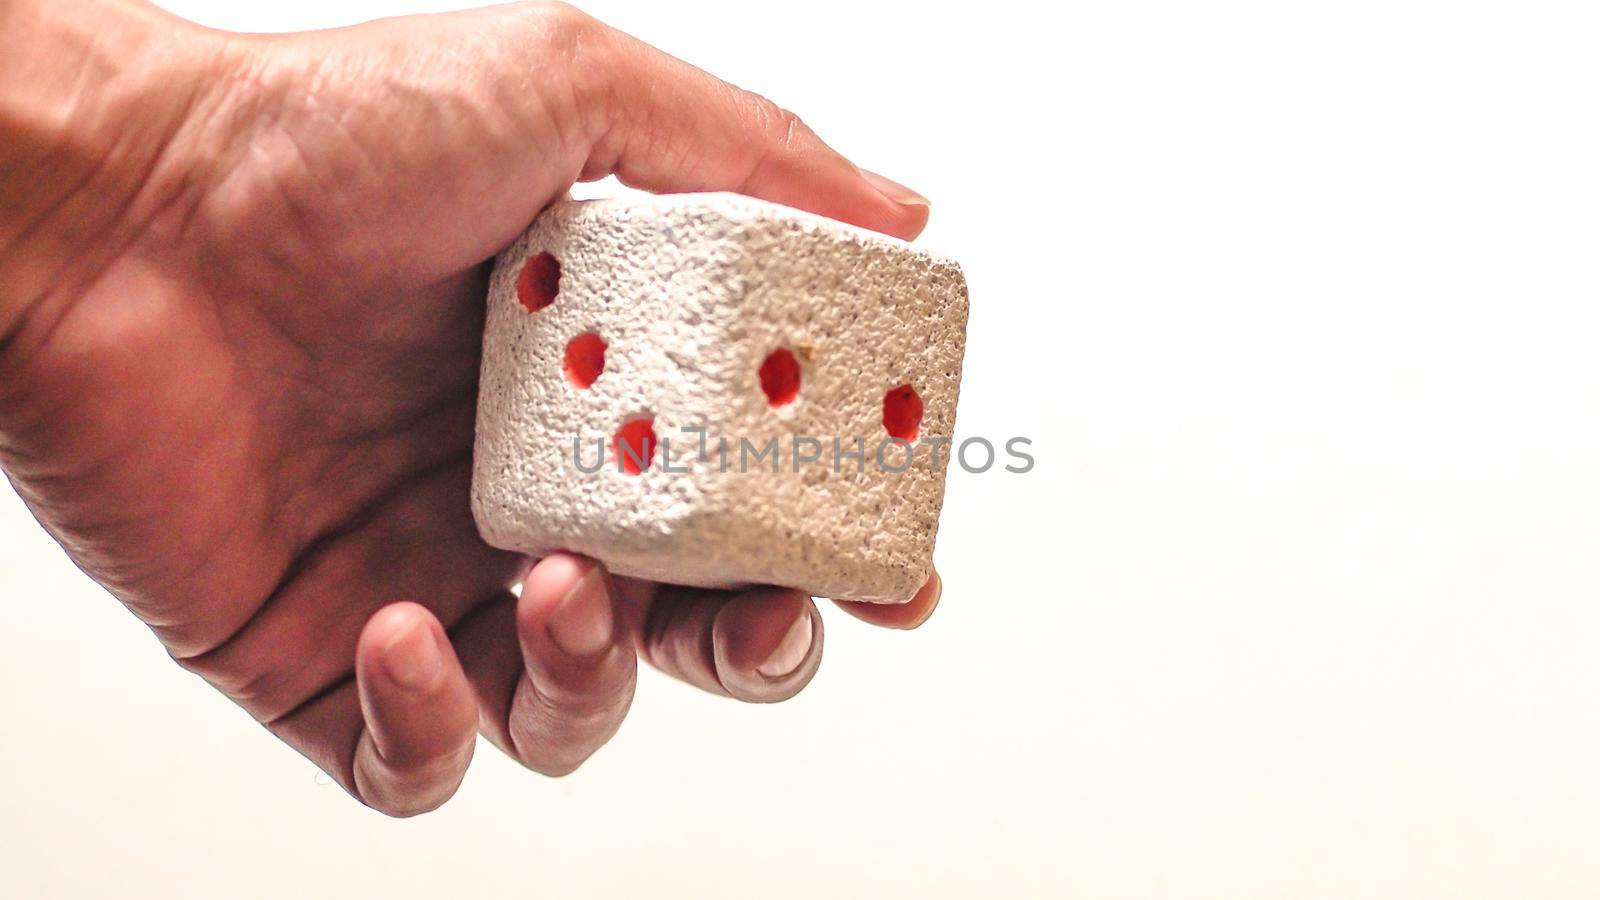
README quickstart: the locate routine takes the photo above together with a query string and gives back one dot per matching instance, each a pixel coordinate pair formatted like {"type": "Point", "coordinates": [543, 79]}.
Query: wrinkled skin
{"type": "Point", "coordinates": [242, 288]}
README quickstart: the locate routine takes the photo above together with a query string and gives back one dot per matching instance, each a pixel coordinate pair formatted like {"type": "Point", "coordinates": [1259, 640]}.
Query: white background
{"type": "Point", "coordinates": [1298, 303]}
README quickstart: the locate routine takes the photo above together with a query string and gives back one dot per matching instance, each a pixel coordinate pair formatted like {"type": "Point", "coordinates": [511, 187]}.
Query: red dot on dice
{"type": "Point", "coordinates": [585, 359]}
{"type": "Point", "coordinates": [539, 281]}
{"type": "Point", "coordinates": [635, 445]}
{"type": "Point", "coordinates": [780, 377]}
{"type": "Point", "coordinates": [902, 412]}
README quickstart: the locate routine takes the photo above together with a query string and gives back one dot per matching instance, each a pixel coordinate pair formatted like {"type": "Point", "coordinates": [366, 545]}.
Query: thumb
{"type": "Point", "coordinates": [666, 126]}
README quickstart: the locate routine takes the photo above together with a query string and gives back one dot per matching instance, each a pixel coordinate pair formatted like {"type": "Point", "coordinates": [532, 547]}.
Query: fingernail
{"type": "Point", "coordinates": [791, 651]}
{"type": "Point", "coordinates": [894, 190]}
{"type": "Point", "coordinates": [412, 659]}
{"type": "Point", "coordinates": [582, 623]}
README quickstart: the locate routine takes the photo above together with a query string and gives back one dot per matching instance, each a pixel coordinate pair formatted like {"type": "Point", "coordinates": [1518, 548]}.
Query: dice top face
{"type": "Point", "coordinates": [678, 339]}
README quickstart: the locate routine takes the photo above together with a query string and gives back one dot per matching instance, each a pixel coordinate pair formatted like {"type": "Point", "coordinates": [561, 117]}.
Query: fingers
{"type": "Point", "coordinates": [670, 127]}
{"type": "Point", "coordinates": [761, 645]}
{"type": "Point", "coordinates": [902, 616]}
{"type": "Point", "coordinates": [420, 713]}
{"type": "Point", "coordinates": [558, 692]}
{"type": "Point", "coordinates": [580, 669]}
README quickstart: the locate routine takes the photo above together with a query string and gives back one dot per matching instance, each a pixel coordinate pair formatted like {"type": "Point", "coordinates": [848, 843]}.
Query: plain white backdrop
{"type": "Point", "coordinates": [1298, 303]}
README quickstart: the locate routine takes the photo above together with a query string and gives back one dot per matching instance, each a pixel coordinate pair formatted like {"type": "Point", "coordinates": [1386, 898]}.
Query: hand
{"type": "Point", "coordinates": [243, 288]}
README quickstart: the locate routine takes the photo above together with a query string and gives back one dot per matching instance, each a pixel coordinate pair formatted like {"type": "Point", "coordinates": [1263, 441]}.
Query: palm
{"type": "Point", "coordinates": [270, 461]}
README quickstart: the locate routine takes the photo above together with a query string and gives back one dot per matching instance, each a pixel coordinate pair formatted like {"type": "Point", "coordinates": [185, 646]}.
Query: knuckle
{"type": "Point", "coordinates": [781, 126]}
{"type": "Point", "coordinates": [562, 768]}
{"type": "Point", "coordinates": [547, 754]}
{"type": "Point", "coordinates": [405, 809]}
{"type": "Point", "coordinates": [406, 791]}
{"type": "Point", "coordinates": [554, 735]}
{"type": "Point", "coordinates": [595, 696]}
{"type": "Point", "coordinates": [576, 71]}
{"type": "Point", "coordinates": [562, 24]}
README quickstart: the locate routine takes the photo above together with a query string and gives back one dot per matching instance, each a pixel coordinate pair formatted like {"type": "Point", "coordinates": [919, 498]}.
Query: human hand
{"type": "Point", "coordinates": [241, 300]}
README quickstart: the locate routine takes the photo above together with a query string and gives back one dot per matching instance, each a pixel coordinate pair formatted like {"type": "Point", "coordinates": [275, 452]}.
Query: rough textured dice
{"type": "Point", "coordinates": [710, 390]}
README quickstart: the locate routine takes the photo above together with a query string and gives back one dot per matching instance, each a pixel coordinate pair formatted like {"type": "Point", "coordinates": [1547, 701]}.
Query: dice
{"type": "Point", "coordinates": [710, 390]}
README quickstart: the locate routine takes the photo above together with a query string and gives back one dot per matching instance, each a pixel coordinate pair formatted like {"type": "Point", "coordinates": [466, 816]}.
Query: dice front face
{"type": "Point", "coordinates": [787, 382]}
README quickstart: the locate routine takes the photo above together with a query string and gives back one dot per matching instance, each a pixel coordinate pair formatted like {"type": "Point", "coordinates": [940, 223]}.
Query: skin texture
{"type": "Point", "coordinates": [241, 283]}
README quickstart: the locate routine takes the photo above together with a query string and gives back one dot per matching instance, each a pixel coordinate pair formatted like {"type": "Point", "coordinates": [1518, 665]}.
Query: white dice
{"type": "Point", "coordinates": [710, 390]}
